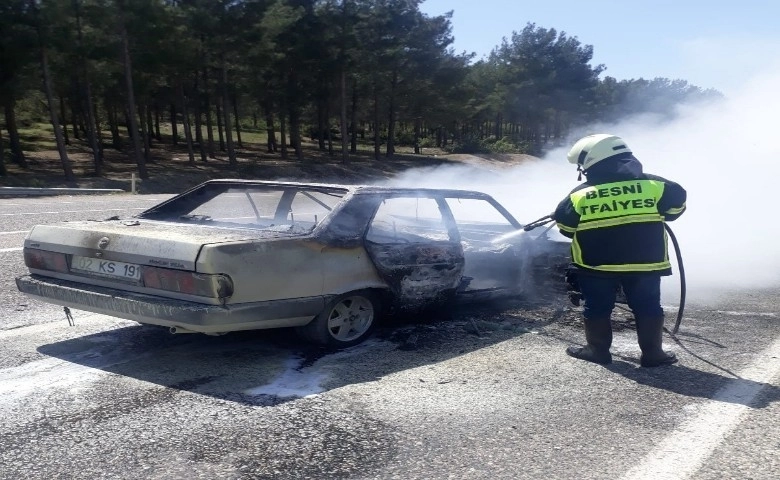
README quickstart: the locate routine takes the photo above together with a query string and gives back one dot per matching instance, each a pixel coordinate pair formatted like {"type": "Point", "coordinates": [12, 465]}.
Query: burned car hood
{"type": "Point", "coordinates": [143, 242]}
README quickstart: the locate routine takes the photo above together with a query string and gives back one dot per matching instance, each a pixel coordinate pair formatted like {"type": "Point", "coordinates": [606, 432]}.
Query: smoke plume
{"type": "Point", "coordinates": [726, 154]}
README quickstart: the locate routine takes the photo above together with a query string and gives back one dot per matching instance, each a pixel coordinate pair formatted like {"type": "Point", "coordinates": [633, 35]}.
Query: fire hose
{"type": "Point", "coordinates": [547, 219]}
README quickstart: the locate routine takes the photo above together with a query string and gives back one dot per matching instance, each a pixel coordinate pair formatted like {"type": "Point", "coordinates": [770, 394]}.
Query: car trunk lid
{"type": "Point", "coordinates": [160, 244]}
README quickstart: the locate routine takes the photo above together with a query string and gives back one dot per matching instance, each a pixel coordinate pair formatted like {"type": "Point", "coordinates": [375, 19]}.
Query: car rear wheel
{"type": "Point", "coordinates": [347, 320]}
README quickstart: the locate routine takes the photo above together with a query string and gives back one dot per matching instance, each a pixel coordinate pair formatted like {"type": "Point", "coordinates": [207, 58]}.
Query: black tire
{"type": "Point", "coordinates": [347, 320]}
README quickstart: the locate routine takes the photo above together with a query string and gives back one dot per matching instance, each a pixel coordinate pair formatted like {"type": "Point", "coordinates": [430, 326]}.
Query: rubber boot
{"type": "Point", "coordinates": [649, 332]}
{"type": "Point", "coordinates": [598, 335]}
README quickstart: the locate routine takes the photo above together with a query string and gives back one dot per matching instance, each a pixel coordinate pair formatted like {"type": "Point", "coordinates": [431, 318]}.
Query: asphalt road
{"type": "Point", "coordinates": [486, 394]}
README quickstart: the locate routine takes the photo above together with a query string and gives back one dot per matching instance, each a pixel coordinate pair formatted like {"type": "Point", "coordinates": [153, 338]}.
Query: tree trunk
{"type": "Point", "coordinates": [2, 155]}
{"type": "Point", "coordinates": [130, 132]}
{"type": "Point", "coordinates": [207, 112]}
{"type": "Point", "coordinates": [77, 121]}
{"type": "Point", "coordinates": [343, 117]}
{"type": "Point", "coordinates": [218, 109]}
{"type": "Point", "coordinates": [174, 125]}
{"type": "Point", "coordinates": [238, 125]}
{"type": "Point", "coordinates": [74, 121]}
{"type": "Point", "coordinates": [113, 126]}
{"type": "Point", "coordinates": [139, 158]}
{"type": "Point", "coordinates": [283, 133]}
{"type": "Point", "coordinates": [98, 133]}
{"type": "Point", "coordinates": [270, 131]}
{"type": "Point", "coordinates": [17, 154]}
{"type": "Point", "coordinates": [65, 127]}
{"type": "Point", "coordinates": [377, 141]}
{"type": "Point", "coordinates": [353, 120]}
{"type": "Point", "coordinates": [185, 117]}
{"type": "Point", "coordinates": [55, 122]}
{"type": "Point", "coordinates": [93, 130]}
{"type": "Point", "coordinates": [295, 131]}
{"type": "Point", "coordinates": [328, 134]}
{"type": "Point", "coordinates": [295, 114]}
{"type": "Point", "coordinates": [321, 126]}
{"type": "Point", "coordinates": [343, 80]}
{"type": "Point", "coordinates": [149, 123]}
{"type": "Point", "coordinates": [199, 124]}
{"type": "Point", "coordinates": [417, 127]}
{"type": "Point", "coordinates": [157, 114]}
{"type": "Point", "coordinates": [204, 157]}
{"type": "Point", "coordinates": [144, 131]}
{"type": "Point", "coordinates": [226, 111]}
{"type": "Point", "coordinates": [391, 116]}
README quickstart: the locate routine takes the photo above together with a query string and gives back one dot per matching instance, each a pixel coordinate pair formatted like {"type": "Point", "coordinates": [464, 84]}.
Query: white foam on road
{"type": "Point", "coordinates": [40, 376]}
{"type": "Point", "coordinates": [36, 329]}
{"type": "Point", "coordinates": [293, 382]}
{"type": "Point", "coordinates": [297, 381]}
{"type": "Point", "coordinates": [682, 452]}
{"type": "Point", "coordinates": [742, 314]}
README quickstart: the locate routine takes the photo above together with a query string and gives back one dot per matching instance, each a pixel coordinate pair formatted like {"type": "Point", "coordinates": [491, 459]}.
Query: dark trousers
{"type": "Point", "coordinates": [643, 293]}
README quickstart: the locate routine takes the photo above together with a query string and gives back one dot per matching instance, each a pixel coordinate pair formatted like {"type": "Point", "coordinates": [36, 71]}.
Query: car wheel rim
{"type": "Point", "coordinates": [350, 318]}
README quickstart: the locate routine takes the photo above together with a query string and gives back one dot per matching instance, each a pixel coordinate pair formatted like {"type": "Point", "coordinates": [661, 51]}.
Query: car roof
{"type": "Point", "coordinates": [356, 189]}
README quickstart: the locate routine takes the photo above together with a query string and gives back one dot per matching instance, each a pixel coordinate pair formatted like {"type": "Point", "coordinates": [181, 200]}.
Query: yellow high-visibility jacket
{"type": "Point", "coordinates": [616, 219]}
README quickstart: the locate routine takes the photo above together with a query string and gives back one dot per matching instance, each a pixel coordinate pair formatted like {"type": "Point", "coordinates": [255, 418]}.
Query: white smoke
{"type": "Point", "coordinates": [726, 154]}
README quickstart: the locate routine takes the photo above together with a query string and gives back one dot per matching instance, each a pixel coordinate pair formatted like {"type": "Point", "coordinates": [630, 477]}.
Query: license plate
{"type": "Point", "coordinates": [106, 268]}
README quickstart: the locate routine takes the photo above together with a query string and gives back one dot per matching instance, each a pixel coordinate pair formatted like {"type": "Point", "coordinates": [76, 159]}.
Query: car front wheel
{"type": "Point", "coordinates": [347, 320]}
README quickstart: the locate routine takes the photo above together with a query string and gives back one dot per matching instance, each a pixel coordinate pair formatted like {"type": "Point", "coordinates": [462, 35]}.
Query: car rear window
{"type": "Point", "coordinates": [283, 209]}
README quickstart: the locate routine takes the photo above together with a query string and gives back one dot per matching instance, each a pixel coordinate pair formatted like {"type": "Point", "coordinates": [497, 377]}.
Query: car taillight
{"type": "Point", "coordinates": [191, 283]}
{"type": "Point", "coordinates": [44, 260]}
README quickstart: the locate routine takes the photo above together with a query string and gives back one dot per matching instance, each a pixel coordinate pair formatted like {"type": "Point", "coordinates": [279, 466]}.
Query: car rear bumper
{"type": "Point", "coordinates": [184, 315]}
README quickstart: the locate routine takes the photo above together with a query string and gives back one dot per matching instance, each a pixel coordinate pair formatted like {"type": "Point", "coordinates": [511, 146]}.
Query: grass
{"type": "Point", "coordinates": [37, 138]}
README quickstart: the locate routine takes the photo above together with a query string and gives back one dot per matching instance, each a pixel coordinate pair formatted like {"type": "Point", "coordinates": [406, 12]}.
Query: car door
{"type": "Point", "coordinates": [492, 266]}
{"type": "Point", "coordinates": [500, 258]}
{"type": "Point", "coordinates": [415, 247]}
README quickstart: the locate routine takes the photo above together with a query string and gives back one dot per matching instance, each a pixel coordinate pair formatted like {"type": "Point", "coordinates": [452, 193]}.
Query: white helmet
{"type": "Point", "coordinates": [592, 149]}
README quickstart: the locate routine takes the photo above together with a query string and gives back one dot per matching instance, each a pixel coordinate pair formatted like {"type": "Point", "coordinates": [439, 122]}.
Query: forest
{"type": "Point", "coordinates": [343, 77]}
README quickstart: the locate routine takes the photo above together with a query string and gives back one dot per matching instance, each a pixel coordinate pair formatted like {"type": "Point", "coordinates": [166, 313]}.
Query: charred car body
{"type": "Point", "coordinates": [238, 254]}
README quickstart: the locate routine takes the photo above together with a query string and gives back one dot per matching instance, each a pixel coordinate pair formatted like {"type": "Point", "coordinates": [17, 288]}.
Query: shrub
{"type": "Point", "coordinates": [405, 137]}
{"type": "Point", "coordinates": [472, 144]}
{"type": "Point", "coordinates": [427, 142]}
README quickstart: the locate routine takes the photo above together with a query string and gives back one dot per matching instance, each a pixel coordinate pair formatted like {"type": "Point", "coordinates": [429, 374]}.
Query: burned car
{"type": "Point", "coordinates": [232, 255]}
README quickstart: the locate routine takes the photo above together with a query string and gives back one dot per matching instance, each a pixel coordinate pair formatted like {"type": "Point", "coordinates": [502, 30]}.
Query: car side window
{"type": "Point", "coordinates": [477, 219]}
{"type": "Point", "coordinates": [408, 220]}
{"type": "Point", "coordinates": [310, 207]}
{"type": "Point", "coordinates": [238, 207]}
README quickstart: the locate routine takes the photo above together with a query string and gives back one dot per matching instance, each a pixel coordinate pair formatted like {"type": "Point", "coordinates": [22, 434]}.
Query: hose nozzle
{"type": "Point", "coordinates": [538, 223]}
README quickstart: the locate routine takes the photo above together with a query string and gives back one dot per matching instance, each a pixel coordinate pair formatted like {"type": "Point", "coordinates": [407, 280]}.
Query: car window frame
{"type": "Point", "coordinates": [444, 210]}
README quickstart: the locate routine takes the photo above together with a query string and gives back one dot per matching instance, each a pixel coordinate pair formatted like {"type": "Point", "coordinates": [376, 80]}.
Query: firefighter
{"type": "Point", "coordinates": [616, 222]}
